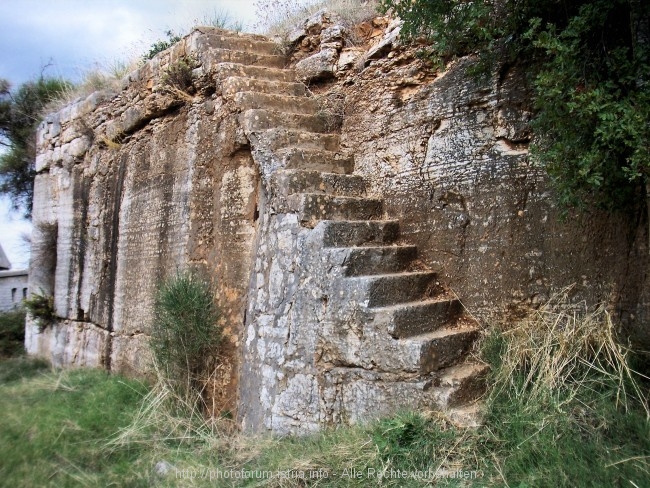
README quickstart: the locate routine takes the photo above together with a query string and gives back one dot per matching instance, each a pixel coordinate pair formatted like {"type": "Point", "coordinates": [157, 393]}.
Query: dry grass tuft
{"type": "Point", "coordinates": [279, 17]}
{"type": "Point", "coordinates": [107, 77]}
{"type": "Point", "coordinates": [558, 345]}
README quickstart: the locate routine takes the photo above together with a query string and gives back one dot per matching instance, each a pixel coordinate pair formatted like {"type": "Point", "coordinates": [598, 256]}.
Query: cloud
{"type": "Point", "coordinates": [76, 34]}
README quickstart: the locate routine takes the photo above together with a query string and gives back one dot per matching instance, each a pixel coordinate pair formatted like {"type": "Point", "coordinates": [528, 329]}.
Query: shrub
{"type": "Point", "coordinates": [12, 332]}
{"type": "Point", "coordinates": [162, 44]}
{"type": "Point", "coordinates": [41, 308]}
{"type": "Point", "coordinates": [185, 332]}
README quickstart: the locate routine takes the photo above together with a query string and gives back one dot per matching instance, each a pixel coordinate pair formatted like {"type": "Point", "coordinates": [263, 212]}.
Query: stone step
{"type": "Point", "coordinates": [218, 56]}
{"type": "Point", "coordinates": [280, 138]}
{"type": "Point", "coordinates": [410, 319]}
{"type": "Point", "coordinates": [292, 181]}
{"type": "Point", "coordinates": [246, 100]}
{"type": "Point", "coordinates": [436, 350]}
{"type": "Point", "coordinates": [263, 119]}
{"type": "Point", "coordinates": [459, 384]}
{"type": "Point", "coordinates": [342, 233]}
{"type": "Point", "coordinates": [390, 289]}
{"type": "Point", "coordinates": [315, 159]}
{"type": "Point", "coordinates": [364, 261]}
{"type": "Point", "coordinates": [225, 70]}
{"type": "Point", "coordinates": [222, 39]}
{"type": "Point", "coordinates": [314, 207]}
{"type": "Point", "coordinates": [234, 84]}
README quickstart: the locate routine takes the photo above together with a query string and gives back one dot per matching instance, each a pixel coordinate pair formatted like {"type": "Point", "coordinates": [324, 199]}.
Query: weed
{"type": "Point", "coordinates": [100, 77]}
{"type": "Point", "coordinates": [279, 17]}
{"type": "Point", "coordinates": [110, 144]}
{"type": "Point", "coordinates": [221, 19]}
{"type": "Point", "coordinates": [178, 75]}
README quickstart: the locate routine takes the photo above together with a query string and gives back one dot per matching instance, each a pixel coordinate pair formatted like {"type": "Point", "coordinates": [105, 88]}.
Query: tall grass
{"type": "Point", "coordinates": [54, 425]}
{"type": "Point", "coordinates": [102, 76]}
{"type": "Point", "coordinates": [566, 407]}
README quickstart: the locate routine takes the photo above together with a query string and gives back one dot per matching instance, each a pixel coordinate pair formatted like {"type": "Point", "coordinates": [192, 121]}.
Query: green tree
{"type": "Point", "coordinates": [589, 62]}
{"type": "Point", "coordinates": [20, 113]}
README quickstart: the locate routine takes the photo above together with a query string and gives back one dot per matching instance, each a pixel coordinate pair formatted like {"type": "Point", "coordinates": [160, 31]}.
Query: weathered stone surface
{"type": "Point", "coordinates": [388, 42]}
{"type": "Point", "coordinates": [348, 58]}
{"type": "Point", "coordinates": [317, 66]}
{"type": "Point", "coordinates": [69, 343]}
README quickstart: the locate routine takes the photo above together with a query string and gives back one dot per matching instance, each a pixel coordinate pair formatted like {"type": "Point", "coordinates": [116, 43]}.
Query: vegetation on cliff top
{"type": "Point", "coordinates": [589, 62]}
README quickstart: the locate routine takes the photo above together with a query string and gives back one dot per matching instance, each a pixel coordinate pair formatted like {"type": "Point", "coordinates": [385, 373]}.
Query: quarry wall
{"type": "Point", "coordinates": [270, 192]}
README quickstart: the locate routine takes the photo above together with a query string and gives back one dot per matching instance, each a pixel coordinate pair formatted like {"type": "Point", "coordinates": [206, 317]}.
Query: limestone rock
{"type": "Point", "coordinates": [348, 58]}
{"type": "Point", "coordinates": [332, 34]}
{"type": "Point", "coordinates": [319, 66]}
{"type": "Point", "coordinates": [388, 42]}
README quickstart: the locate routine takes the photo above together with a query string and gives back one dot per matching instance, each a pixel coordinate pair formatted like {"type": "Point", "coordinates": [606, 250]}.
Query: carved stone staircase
{"type": "Point", "coordinates": [410, 324]}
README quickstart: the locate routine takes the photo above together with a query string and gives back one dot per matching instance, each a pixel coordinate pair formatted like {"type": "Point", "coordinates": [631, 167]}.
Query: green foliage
{"type": "Point", "coordinates": [41, 308]}
{"type": "Point", "coordinates": [589, 62]}
{"type": "Point", "coordinates": [20, 113]}
{"type": "Point", "coordinates": [593, 105]}
{"type": "Point", "coordinates": [162, 44]}
{"type": "Point", "coordinates": [185, 334]}
{"type": "Point", "coordinates": [12, 332]}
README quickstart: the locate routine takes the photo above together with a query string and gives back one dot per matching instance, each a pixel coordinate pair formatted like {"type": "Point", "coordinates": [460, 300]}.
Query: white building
{"type": "Point", "coordinates": [13, 284]}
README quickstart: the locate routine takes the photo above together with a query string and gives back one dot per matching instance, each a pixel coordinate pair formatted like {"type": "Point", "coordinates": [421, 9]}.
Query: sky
{"type": "Point", "coordinates": [65, 38]}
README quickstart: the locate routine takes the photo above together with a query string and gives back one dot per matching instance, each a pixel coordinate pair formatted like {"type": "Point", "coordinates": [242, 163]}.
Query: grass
{"type": "Point", "coordinates": [54, 423]}
{"type": "Point", "coordinates": [565, 408]}
{"type": "Point", "coordinates": [106, 76]}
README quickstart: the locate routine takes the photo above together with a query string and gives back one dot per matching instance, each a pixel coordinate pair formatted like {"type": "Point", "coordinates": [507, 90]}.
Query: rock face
{"type": "Point", "coordinates": [341, 237]}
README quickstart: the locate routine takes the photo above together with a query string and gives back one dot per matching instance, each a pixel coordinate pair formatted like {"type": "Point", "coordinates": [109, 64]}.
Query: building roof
{"type": "Point", "coordinates": [4, 262]}
{"type": "Point", "coordinates": [16, 272]}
